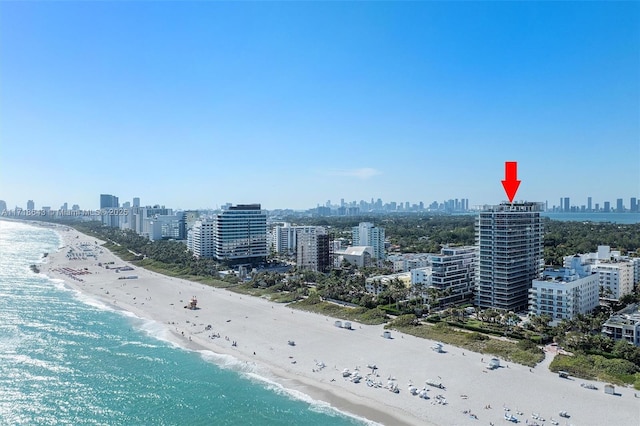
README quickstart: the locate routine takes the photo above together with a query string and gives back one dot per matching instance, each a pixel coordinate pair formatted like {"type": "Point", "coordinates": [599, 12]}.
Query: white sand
{"type": "Point", "coordinates": [265, 328]}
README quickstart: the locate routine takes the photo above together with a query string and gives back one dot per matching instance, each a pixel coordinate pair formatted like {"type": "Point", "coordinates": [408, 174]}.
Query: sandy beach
{"type": "Point", "coordinates": [257, 332]}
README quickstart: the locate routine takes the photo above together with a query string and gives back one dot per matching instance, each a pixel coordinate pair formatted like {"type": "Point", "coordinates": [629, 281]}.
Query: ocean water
{"type": "Point", "coordinates": [68, 360]}
{"type": "Point", "coordinates": [621, 218]}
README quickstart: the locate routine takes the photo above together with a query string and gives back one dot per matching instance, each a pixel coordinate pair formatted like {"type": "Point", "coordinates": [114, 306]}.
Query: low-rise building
{"type": "Point", "coordinates": [624, 325]}
{"type": "Point", "coordinates": [378, 284]}
{"type": "Point", "coordinates": [361, 256]}
{"type": "Point", "coordinates": [404, 262]}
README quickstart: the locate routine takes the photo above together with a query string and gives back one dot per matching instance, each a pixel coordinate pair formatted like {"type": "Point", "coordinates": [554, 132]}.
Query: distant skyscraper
{"type": "Point", "coordinates": [633, 205]}
{"type": "Point", "coordinates": [619, 206]}
{"type": "Point", "coordinates": [107, 202]}
{"type": "Point", "coordinates": [31, 205]}
{"type": "Point", "coordinates": [136, 201]}
{"type": "Point", "coordinates": [589, 204]}
{"type": "Point", "coordinates": [607, 207]}
{"type": "Point", "coordinates": [509, 240]}
{"type": "Point", "coordinates": [567, 205]}
{"type": "Point", "coordinates": [3, 205]}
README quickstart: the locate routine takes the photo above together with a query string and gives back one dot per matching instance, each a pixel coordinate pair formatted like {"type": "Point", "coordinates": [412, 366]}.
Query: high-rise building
{"type": "Point", "coordinates": [365, 234]}
{"type": "Point", "coordinates": [607, 207]}
{"type": "Point", "coordinates": [136, 201]}
{"type": "Point", "coordinates": [240, 234]}
{"type": "Point", "coordinates": [313, 249]}
{"type": "Point", "coordinates": [31, 205]}
{"type": "Point", "coordinates": [108, 202]}
{"type": "Point", "coordinates": [200, 239]}
{"type": "Point", "coordinates": [589, 200]}
{"type": "Point", "coordinates": [633, 205]}
{"type": "Point", "coordinates": [3, 206]}
{"type": "Point", "coordinates": [509, 240]}
{"type": "Point", "coordinates": [619, 206]}
{"type": "Point", "coordinates": [567, 205]}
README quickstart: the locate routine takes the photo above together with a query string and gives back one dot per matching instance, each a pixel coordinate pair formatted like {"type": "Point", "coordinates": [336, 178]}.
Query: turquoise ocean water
{"type": "Point", "coordinates": [67, 360]}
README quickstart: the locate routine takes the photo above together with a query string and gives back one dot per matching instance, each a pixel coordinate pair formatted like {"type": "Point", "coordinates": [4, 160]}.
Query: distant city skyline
{"type": "Point", "coordinates": [629, 204]}
{"type": "Point", "coordinates": [194, 104]}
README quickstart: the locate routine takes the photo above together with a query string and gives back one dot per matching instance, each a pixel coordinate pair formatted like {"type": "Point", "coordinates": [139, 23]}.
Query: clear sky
{"type": "Point", "coordinates": [289, 104]}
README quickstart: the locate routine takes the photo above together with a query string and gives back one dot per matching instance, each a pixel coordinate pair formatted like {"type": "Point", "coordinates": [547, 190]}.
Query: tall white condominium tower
{"type": "Point", "coordinates": [365, 234]}
{"type": "Point", "coordinates": [509, 240]}
{"type": "Point", "coordinates": [240, 234]}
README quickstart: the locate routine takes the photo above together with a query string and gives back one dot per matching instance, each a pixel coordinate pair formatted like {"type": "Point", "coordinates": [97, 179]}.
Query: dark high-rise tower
{"type": "Point", "coordinates": [509, 240]}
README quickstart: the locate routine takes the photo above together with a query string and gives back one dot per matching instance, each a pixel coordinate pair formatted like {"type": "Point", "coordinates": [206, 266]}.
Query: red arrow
{"type": "Point", "coordinates": [511, 182]}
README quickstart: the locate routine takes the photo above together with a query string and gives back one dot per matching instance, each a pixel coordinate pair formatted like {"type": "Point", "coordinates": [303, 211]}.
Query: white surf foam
{"type": "Point", "coordinates": [316, 405]}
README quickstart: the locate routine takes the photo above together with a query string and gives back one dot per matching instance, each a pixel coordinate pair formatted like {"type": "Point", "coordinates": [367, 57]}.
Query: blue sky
{"type": "Point", "coordinates": [289, 104]}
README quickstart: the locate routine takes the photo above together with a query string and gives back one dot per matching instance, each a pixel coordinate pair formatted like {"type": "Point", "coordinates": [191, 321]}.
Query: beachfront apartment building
{"type": "Point", "coordinates": [240, 234]}
{"type": "Point", "coordinates": [453, 274]}
{"type": "Point", "coordinates": [625, 325]}
{"type": "Point", "coordinates": [564, 293]}
{"type": "Point", "coordinates": [366, 234]}
{"type": "Point", "coordinates": [509, 247]}
{"type": "Point", "coordinates": [200, 239]}
{"type": "Point", "coordinates": [314, 249]}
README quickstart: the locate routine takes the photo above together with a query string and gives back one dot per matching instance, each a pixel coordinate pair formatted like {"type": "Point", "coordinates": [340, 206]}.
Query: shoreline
{"type": "Point", "coordinates": [263, 328]}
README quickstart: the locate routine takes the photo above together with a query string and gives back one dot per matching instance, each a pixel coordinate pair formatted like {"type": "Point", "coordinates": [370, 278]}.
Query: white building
{"type": "Point", "coordinates": [200, 239]}
{"type": "Point", "coordinates": [404, 262]}
{"type": "Point", "coordinates": [564, 293]}
{"type": "Point", "coordinates": [284, 237]}
{"type": "Point", "coordinates": [624, 325]}
{"type": "Point", "coordinates": [365, 234]}
{"type": "Point", "coordinates": [617, 273]}
{"type": "Point", "coordinates": [421, 276]}
{"type": "Point", "coordinates": [378, 284]}
{"type": "Point", "coordinates": [361, 256]}
{"type": "Point", "coordinates": [152, 229]}
{"type": "Point", "coordinates": [616, 278]}
{"type": "Point", "coordinates": [451, 272]}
